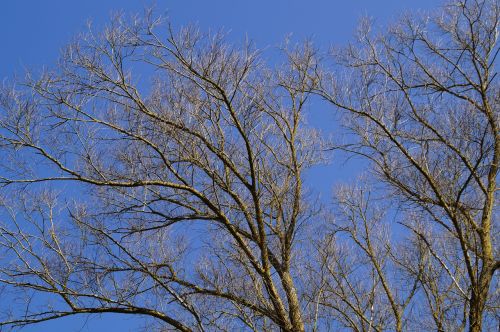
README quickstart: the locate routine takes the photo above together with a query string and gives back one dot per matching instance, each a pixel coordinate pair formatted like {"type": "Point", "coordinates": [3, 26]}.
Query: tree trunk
{"type": "Point", "coordinates": [293, 303]}
{"type": "Point", "coordinates": [478, 299]}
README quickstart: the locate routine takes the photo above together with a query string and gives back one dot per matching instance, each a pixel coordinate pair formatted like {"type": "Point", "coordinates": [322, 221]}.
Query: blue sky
{"type": "Point", "coordinates": [32, 32]}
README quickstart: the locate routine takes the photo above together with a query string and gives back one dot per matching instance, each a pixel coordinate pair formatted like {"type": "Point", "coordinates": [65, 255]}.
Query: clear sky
{"type": "Point", "coordinates": [32, 32]}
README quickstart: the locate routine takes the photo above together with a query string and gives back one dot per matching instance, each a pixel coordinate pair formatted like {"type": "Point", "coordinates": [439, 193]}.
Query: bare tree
{"type": "Point", "coordinates": [422, 100]}
{"type": "Point", "coordinates": [159, 173]}
{"type": "Point", "coordinates": [189, 187]}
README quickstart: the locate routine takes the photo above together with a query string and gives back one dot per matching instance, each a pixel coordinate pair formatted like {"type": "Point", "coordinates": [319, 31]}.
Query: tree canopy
{"type": "Point", "coordinates": [182, 197]}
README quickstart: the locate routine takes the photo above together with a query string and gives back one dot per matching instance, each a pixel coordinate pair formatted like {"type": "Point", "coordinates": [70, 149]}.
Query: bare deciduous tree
{"type": "Point", "coordinates": [181, 198]}
{"type": "Point", "coordinates": [422, 100]}
{"type": "Point", "coordinates": [192, 184]}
